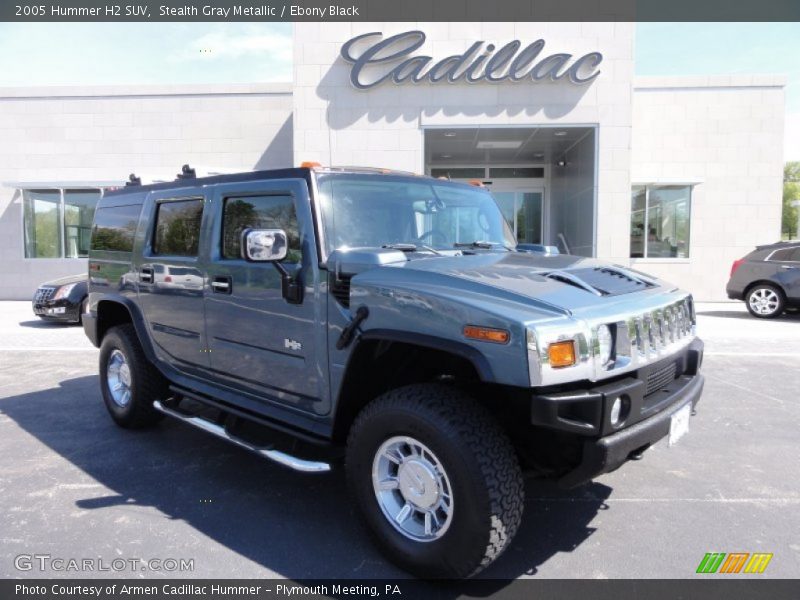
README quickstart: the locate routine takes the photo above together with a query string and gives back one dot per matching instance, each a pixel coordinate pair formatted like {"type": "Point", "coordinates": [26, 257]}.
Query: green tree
{"type": "Point", "coordinates": [791, 193]}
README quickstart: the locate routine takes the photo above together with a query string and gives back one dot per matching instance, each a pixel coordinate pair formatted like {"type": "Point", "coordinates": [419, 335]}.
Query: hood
{"type": "Point", "coordinates": [82, 277]}
{"type": "Point", "coordinates": [564, 283]}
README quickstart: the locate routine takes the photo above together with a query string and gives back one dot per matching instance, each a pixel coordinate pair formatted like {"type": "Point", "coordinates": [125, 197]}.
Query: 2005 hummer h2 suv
{"type": "Point", "coordinates": [389, 322]}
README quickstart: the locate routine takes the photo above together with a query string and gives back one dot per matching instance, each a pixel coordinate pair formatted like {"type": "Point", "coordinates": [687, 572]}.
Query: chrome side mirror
{"type": "Point", "coordinates": [264, 245]}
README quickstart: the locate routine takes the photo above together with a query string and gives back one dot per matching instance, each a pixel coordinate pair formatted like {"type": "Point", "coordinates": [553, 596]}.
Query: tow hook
{"type": "Point", "coordinates": [638, 454]}
{"type": "Point", "coordinates": [348, 333]}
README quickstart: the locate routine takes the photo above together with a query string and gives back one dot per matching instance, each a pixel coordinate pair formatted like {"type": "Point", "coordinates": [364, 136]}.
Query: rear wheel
{"type": "Point", "coordinates": [436, 479]}
{"type": "Point", "coordinates": [765, 301]}
{"type": "Point", "coordinates": [129, 382]}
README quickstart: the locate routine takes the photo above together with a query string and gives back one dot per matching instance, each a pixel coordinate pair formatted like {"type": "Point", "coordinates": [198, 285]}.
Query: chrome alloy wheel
{"type": "Point", "coordinates": [118, 378]}
{"type": "Point", "coordinates": [763, 301]}
{"type": "Point", "coordinates": [412, 489]}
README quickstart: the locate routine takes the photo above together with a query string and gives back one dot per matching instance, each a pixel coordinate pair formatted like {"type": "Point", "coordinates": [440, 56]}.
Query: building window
{"type": "Point", "coordinates": [516, 172]}
{"type": "Point", "coordinates": [57, 222]}
{"type": "Point", "coordinates": [660, 219]}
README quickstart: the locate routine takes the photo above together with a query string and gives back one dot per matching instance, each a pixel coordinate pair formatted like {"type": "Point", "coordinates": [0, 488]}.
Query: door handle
{"type": "Point", "coordinates": [222, 285]}
{"type": "Point", "coordinates": [146, 274]}
{"type": "Point", "coordinates": [789, 267]}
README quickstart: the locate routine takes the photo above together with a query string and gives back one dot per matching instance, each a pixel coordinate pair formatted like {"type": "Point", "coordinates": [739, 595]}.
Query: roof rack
{"type": "Point", "coordinates": [187, 172]}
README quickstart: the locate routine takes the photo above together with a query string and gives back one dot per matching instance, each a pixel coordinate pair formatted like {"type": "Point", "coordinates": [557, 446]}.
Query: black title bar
{"type": "Point", "coordinates": [703, 587]}
{"type": "Point", "coordinates": [398, 10]}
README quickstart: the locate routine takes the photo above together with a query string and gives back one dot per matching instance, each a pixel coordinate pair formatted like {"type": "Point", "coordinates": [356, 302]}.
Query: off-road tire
{"type": "Point", "coordinates": [147, 383]}
{"type": "Point", "coordinates": [487, 485]}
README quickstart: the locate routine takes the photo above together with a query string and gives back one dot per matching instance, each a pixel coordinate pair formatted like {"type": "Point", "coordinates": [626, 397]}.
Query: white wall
{"type": "Point", "coordinates": [335, 123]}
{"type": "Point", "coordinates": [725, 134]}
{"type": "Point", "coordinates": [105, 133]}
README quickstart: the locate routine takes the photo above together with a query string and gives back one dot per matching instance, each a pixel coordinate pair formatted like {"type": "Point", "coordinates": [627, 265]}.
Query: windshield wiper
{"type": "Point", "coordinates": [480, 244]}
{"type": "Point", "coordinates": [408, 247]}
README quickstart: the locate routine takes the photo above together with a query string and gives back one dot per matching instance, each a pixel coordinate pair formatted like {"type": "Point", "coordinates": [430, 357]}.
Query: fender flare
{"type": "Point", "coordinates": [136, 318]}
{"type": "Point", "coordinates": [474, 356]}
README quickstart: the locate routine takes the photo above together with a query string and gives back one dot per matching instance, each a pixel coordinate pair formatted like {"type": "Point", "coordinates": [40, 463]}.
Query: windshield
{"type": "Point", "coordinates": [380, 210]}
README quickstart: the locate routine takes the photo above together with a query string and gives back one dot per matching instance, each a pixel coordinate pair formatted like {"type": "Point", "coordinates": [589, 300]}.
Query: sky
{"type": "Point", "coordinates": [116, 53]}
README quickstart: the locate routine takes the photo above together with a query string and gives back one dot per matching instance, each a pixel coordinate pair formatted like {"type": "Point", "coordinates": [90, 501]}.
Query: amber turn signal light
{"type": "Point", "coordinates": [309, 164]}
{"type": "Point", "coordinates": [486, 334]}
{"type": "Point", "coordinates": [561, 354]}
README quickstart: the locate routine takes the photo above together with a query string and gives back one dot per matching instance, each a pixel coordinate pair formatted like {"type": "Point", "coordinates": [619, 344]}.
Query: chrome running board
{"type": "Point", "coordinates": [298, 464]}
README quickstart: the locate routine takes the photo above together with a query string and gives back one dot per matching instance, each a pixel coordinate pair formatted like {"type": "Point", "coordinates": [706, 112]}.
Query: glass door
{"type": "Point", "coordinates": [522, 208]}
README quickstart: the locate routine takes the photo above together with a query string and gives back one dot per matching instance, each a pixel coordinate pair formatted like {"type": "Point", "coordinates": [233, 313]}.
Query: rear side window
{"type": "Point", "coordinates": [178, 227]}
{"type": "Point", "coordinates": [114, 228]}
{"type": "Point", "coordinates": [785, 254]}
{"type": "Point", "coordinates": [259, 212]}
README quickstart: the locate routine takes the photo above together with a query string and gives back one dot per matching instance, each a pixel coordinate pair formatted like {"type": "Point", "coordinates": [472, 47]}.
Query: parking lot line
{"type": "Point", "coordinates": [756, 354]}
{"type": "Point", "coordinates": [45, 349]}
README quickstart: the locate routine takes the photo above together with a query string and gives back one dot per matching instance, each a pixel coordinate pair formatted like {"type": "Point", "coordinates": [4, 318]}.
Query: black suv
{"type": "Point", "coordinates": [767, 279]}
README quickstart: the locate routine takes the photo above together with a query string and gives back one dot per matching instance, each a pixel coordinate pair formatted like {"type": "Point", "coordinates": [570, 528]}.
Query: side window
{"type": "Point", "coordinates": [259, 212]}
{"type": "Point", "coordinates": [178, 227]}
{"type": "Point", "coordinates": [114, 228]}
{"type": "Point", "coordinates": [782, 255]}
{"type": "Point", "coordinates": [795, 257]}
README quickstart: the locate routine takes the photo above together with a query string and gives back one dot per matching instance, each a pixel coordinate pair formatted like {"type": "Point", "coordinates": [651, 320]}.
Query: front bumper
{"type": "Point", "coordinates": [57, 310]}
{"type": "Point", "coordinates": [609, 453]}
{"type": "Point", "coordinates": [651, 396]}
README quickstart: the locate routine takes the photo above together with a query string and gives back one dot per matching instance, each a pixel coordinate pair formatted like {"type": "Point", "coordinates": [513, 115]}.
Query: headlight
{"type": "Point", "coordinates": [64, 291]}
{"type": "Point", "coordinates": [605, 344]}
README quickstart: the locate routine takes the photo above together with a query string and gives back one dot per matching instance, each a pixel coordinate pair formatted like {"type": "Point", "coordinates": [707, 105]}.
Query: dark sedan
{"type": "Point", "coordinates": [767, 279]}
{"type": "Point", "coordinates": [61, 299]}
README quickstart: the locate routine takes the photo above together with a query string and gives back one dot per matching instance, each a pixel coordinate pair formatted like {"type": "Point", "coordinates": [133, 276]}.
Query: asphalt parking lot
{"type": "Point", "coordinates": [72, 485]}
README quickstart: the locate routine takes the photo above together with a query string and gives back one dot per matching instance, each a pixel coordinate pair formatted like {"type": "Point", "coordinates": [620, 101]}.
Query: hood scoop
{"type": "Point", "coordinates": [602, 281]}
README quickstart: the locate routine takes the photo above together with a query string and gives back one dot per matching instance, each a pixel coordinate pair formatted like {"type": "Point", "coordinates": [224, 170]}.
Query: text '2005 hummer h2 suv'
{"type": "Point", "coordinates": [390, 322]}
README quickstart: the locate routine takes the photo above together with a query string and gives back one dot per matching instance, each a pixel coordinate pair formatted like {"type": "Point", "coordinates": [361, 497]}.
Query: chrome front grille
{"type": "Point", "coordinates": [655, 330]}
{"type": "Point", "coordinates": [43, 294]}
{"type": "Point", "coordinates": [645, 335]}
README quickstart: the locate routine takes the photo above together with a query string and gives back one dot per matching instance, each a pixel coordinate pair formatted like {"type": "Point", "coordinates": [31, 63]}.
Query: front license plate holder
{"type": "Point", "coordinates": [679, 424]}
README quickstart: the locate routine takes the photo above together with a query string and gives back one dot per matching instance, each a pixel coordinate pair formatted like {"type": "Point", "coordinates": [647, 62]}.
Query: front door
{"type": "Point", "coordinates": [522, 206]}
{"type": "Point", "coordinates": [259, 341]}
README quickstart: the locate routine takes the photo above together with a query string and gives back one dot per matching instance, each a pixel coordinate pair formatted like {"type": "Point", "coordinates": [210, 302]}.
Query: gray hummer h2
{"type": "Point", "coordinates": [389, 322]}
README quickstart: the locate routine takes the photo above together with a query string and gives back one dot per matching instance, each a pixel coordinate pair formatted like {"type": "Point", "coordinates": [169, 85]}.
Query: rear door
{"type": "Point", "coordinates": [170, 277]}
{"type": "Point", "coordinates": [258, 341]}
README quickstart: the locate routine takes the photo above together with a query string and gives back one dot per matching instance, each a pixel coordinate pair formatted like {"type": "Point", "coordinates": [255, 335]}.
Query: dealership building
{"type": "Point", "coordinates": [675, 176]}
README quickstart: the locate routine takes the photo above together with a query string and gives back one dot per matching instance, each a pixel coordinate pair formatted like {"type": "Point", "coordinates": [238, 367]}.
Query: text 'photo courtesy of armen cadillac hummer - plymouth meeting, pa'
{"type": "Point", "coordinates": [389, 323]}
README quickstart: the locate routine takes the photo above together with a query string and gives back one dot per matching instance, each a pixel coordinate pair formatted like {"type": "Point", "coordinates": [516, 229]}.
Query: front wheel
{"type": "Point", "coordinates": [765, 301]}
{"type": "Point", "coordinates": [436, 479]}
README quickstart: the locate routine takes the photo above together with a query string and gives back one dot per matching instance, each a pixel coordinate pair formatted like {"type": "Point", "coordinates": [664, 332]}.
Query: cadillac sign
{"type": "Point", "coordinates": [391, 59]}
